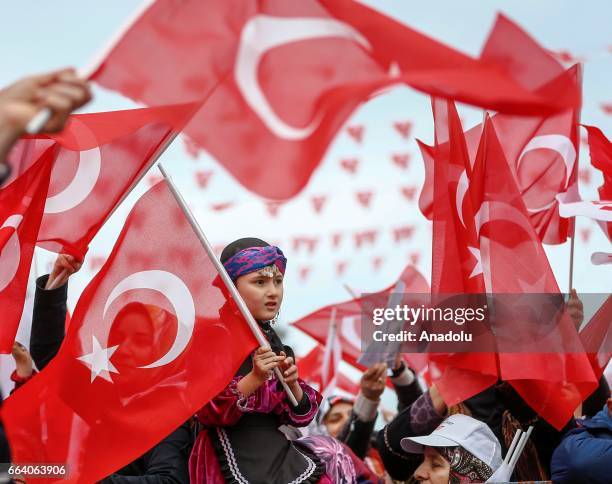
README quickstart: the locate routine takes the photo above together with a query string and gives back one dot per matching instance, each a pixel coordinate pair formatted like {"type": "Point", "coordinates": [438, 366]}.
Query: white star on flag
{"type": "Point", "coordinates": [99, 361]}
{"type": "Point", "coordinates": [478, 267]}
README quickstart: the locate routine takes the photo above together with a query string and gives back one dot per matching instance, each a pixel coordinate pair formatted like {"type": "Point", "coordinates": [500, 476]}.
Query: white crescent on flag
{"type": "Point", "coordinates": [176, 291]}
{"type": "Point", "coordinates": [86, 176]}
{"type": "Point", "coordinates": [555, 142]}
{"type": "Point", "coordinates": [262, 33]}
{"type": "Point", "coordinates": [11, 252]}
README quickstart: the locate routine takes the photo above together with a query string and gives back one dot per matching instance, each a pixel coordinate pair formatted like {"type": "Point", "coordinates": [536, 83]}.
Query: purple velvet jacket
{"type": "Point", "coordinates": [226, 409]}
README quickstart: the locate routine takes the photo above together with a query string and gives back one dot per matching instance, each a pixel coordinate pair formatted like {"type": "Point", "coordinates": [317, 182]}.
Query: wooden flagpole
{"type": "Point", "coordinates": [256, 330]}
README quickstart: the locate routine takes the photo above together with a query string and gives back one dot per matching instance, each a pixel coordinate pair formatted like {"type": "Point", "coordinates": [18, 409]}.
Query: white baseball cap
{"type": "Point", "coordinates": [460, 430]}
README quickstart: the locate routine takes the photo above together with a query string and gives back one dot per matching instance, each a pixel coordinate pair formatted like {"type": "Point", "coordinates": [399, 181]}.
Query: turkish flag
{"type": "Point", "coordinates": [150, 342]}
{"type": "Point", "coordinates": [283, 77]}
{"type": "Point", "coordinates": [456, 259]}
{"type": "Point", "coordinates": [597, 338]}
{"type": "Point", "coordinates": [101, 157]}
{"type": "Point", "coordinates": [553, 382]}
{"type": "Point", "coordinates": [21, 209]}
{"type": "Point", "coordinates": [311, 366]}
{"type": "Point", "coordinates": [349, 313]}
{"type": "Point", "coordinates": [600, 150]}
{"type": "Point", "coordinates": [543, 156]}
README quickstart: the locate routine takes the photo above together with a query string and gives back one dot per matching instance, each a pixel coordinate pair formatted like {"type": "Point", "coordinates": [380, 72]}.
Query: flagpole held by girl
{"type": "Point", "coordinates": [240, 440]}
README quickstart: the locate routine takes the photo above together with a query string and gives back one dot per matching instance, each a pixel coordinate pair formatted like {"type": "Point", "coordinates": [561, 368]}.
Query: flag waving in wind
{"type": "Point", "coordinates": [151, 340]}
{"type": "Point", "coordinates": [101, 156]}
{"type": "Point", "coordinates": [282, 77]}
{"type": "Point", "coordinates": [21, 210]}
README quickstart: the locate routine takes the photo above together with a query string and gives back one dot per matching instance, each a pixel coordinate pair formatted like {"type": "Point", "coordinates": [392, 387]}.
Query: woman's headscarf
{"type": "Point", "coordinates": [464, 466]}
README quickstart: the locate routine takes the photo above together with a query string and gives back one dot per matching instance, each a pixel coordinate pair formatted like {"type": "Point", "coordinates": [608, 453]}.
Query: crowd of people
{"type": "Point", "coordinates": [251, 432]}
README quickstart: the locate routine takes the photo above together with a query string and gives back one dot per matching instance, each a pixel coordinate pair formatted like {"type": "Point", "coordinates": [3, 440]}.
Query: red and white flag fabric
{"type": "Point", "coordinates": [335, 54]}
{"type": "Point", "coordinates": [310, 367]}
{"type": "Point", "coordinates": [101, 157]}
{"type": "Point", "coordinates": [132, 362]}
{"type": "Point", "coordinates": [600, 150]}
{"type": "Point", "coordinates": [547, 367]}
{"type": "Point", "coordinates": [21, 209]}
{"type": "Point", "coordinates": [596, 337]}
{"type": "Point", "coordinates": [332, 355]}
{"type": "Point", "coordinates": [542, 153]}
{"type": "Point", "coordinates": [349, 314]}
{"type": "Point", "coordinates": [595, 210]}
{"type": "Point", "coordinates": [456, 258]}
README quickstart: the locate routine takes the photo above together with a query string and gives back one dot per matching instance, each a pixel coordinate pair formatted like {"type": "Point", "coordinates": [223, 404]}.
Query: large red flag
{"type": "Point", "coordinates": [102, 156]}
{"type": "Point", "coordinates": [456, 259]}
{"type": "Point", "coordinates": [553, 382]}
{"type": "Point", "coordinates": [152, 339]}
{"type": "Point", "coordinates": [543, 156]}
{"type": "Point", "coordinates": [21, 209]}
{"type": "Point", "coordinates": [348, 316]}
{"type": "Point", "coordinates": [282, 77]}
{"type": "Point", "coordinates": [600, 150]}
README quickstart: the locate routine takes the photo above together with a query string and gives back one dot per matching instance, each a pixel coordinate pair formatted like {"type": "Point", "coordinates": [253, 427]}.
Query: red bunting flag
{"type": "Point", "coordinates": [377, 262]}
{"type": "Point", "coordinates": [350, 165]}
{"type": "Point", "coordinates": [21, 208]}
{"type": "Point", "coordinates": [203, 177]}
{"type": "Point", "coordinates": [222, 206]}
{"type": "Point", "coordinates": [401, 160]}
{"type": "Point", "coordinates": [403, 233]}
{"type": "Point", "coordinates": [101, 157]}
{"type": "Point", "coordinates": [403, 128]}
{"type": "Point", "coordinates": [336, 239]}
{"type": "Point", "coordinates": [318, 203]}
{"type": "Point", "coordinates": [409, 192]}
{"type": "Point", "coordinates": [131, 363]}
{"type": "Point", "coordinates": [334, 54]}
{"type": "Point", "coordinates": [341, 267]}
{"type": "Point", "coordinates": [365, 237]}
{"type": "Point", "coordinates": [364, 198]}
{"type": "Point", "coordinates": [304, 272]}
{"type": "Point", "coordinates": [356, 132]}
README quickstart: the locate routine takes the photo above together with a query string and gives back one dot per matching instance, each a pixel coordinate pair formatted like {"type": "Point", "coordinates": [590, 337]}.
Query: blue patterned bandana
{"type": "Point", "coordinates": [255, 258]}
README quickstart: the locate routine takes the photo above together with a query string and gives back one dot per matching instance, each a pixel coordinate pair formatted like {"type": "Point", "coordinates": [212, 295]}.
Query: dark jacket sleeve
{"type": "Point", "coordinates": [398, 464]}
{"type": "Point", "coordinates": [48, 322]}
{"type": "Point", "coordinates": [582, 457]}
{"type": "Point", "coordinates": [356, 435]}
{"type": "Point", "coordinates": [166, 463]}
{"type": "Point", "coordinates": [406, 394]}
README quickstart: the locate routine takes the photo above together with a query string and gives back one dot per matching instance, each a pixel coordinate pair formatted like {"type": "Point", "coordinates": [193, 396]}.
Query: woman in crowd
{"type": "Point", "coordinates": [460, 450]}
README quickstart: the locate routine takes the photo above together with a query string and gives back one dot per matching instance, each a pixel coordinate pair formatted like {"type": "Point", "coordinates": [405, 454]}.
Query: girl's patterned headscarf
{"type": "Point", "coordinates": [255, 258]}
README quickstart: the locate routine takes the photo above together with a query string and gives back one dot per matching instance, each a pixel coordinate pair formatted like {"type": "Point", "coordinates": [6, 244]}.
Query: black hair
{"type": "Point", "coordinates": [240, 244]}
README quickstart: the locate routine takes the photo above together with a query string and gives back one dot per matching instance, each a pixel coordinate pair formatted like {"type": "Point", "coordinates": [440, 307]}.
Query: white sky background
{"type": "Point", "coordinates": [41, 35]}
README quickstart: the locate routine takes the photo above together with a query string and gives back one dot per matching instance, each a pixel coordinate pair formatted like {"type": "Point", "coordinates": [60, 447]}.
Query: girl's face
{"type": "Point", "coordinates": [262, 293]}
{"type": "Point", "coordinates": [435, 469]}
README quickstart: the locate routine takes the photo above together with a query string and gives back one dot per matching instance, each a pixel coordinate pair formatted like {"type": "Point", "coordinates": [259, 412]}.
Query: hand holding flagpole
{"type": "Point", "coordinates": [259, 336]}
